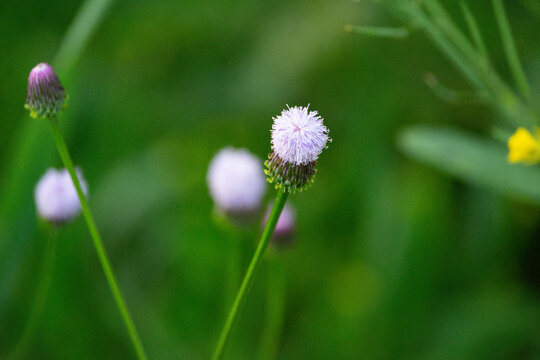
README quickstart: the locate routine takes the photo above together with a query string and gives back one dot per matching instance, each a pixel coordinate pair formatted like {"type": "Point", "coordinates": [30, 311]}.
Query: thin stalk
{"type": "Point", "coordinates": [27, 153]}
{"type": "Point", "coordinates": [23, 345]}
{"type": "Point", "coordinates": [499, 95]}
{"type": "Point", "coordinates": [450, 95]}
{"type": "Point", "coordinates": [377, 31]}
{"type": "Point", "coordinates": [448, 47]}
{"type": "Point", "coordinates": [248, 278]}
{"type": "Point", "coordinates": [475, 32]}
{"type": "Point", "coordinates": [96, 237]}
{"type": "Point", "coordinates": [510, 48]}
{"type": "Point", "coordinates": [275, 298]}
{"type": "Point", "coordinates": [441, 17]}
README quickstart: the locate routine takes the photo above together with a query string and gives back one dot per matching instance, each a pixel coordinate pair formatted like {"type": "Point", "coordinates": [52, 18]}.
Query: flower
{"type": "Point", "coordinates": [298, 135]}
{"type": "Point", "coordinates": [56, 197]}
{"type": "Point", "coordinates": [45, 95]}
{"type": "Point", "coordinates": [523, 147]}
{"type": "Point", "coordinates": [285, 227]}
{"type": "Point", "coordinates": [235, 181]}
{"type": "Point", "coordinates": [298, 138]}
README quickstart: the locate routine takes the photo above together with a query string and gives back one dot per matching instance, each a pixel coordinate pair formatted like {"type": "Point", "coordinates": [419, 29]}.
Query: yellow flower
{"type": "Point", "coordinates": [523, 147]}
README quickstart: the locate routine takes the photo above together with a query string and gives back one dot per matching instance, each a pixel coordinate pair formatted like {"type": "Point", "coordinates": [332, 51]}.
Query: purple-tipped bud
{"type": "Point", "coordinates": [45, 96]}
{"type": "Point", "coordinates": [285, 227]}
{"type": "Point", "coordinates": [298, 138]}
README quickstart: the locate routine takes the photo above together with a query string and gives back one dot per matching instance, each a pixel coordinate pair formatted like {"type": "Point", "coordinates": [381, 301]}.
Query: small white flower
{"type": "Point", "coordinates": [298, 135]}
{"type": "Point", "coordinates": [236, 180]}
{"type": "Point", "coordinates": [56, 197]}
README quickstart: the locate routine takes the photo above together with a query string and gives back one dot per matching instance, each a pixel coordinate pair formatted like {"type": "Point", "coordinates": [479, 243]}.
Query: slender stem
{"type": "Point", "coordinates": [277, 286]}
{"type": "Point", "coordinates": [27, 153]}
{"type": "Point", "coordinates": [475, 32]}
{"type": "Point", "coordinates": [377, 31]}
{"type": "Point", "coordinates": [446, 36]}
{"type": "Point", "coordinates": [450, 95]}
{"type": "Point", "coordinates": [248, 278]}
{"type": "Point", "coordinates": [438, 34]}
{"type": "Point", "coordinates": [510, 48]}
{"type": "Point", "coordinates": [96, 237]}
{"type": "Point", "coordinates": [23, 345]}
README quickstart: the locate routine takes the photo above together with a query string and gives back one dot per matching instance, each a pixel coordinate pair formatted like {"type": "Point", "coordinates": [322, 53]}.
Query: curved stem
{"type": "Point", "coordinates": [248, 278]}
{"type": "Point", "coordinates": [96, 237]}
{"type": "Point", "coordinates": [40, 298]}
{"type": "Point", "coordinates": [27, 154]}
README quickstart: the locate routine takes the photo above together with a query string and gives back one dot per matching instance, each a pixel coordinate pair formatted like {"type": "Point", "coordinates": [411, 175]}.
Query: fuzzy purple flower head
{"type": "Point", "coordinates": [45, 96]}
{"type": "Point", "coordinates": [56, 197]}
{"type": "Point", "coordinates": [298, 138]}
{"type": "Point", "coordinates": [236, 182]}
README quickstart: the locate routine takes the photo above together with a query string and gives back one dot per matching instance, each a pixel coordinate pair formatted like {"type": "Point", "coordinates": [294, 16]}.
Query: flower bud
{"type": "Point", "coordinates": [298, 138]}
{"type": "Point", "coordinates": [236, 182]}
{"type": "Point", "coordinates": [45, 96]}
{"type": "Point", "coordinates": [56, 197]}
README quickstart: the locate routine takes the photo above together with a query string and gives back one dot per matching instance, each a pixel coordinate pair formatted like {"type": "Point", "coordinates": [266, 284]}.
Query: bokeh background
{"type": "Point", "coordinates": [392, 260]}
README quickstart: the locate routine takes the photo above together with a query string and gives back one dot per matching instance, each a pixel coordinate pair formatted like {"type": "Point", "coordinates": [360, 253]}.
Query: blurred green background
{"type": "Point", "coordinates": [392, 260]}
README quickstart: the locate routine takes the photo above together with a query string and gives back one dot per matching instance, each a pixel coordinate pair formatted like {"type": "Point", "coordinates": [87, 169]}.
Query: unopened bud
{"type": "Point", "coordinates": [45, 96]}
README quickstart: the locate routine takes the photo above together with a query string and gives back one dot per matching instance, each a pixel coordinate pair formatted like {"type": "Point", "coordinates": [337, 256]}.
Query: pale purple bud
{"type": "Point", "coordinates": [45, 95]}
{"type": "Point", "coordinates": [56, 197]}
{"type": "Point", "coordinates": [236, 181]}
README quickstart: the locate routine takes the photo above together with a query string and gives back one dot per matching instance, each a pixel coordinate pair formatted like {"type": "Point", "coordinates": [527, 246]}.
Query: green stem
{"type": "Point", "coordinates": [27, 154]}
{"type": "Point", "coordinates": [23, 345]}
{"type": "Point", "coordinates": [475, 32]}
{"type": "Point", "coordinates": [248, 278]}
{"type": "Point", "coordinates": [377, 31]}
{"type": "Point", "coordinates": [277, 285]}
{"type": "Point", "coordinates": [510, 48]}
{"type": "Point", "coordinates": [444, 33]}
{"type": "Point", "coordinates": [96, 237]}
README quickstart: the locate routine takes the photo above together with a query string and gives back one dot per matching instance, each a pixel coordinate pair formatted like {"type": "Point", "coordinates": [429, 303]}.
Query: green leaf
{"type": "Point", "coordinates": [472, 159]}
